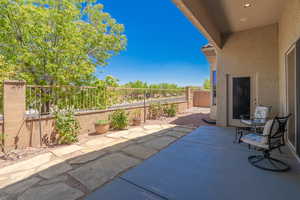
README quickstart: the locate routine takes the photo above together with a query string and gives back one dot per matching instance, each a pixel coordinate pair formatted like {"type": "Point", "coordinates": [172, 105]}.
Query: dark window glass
{"type": "Point", "coordinates": [214, 88]}
{"type": "Point", "coordinates": [241, 97]}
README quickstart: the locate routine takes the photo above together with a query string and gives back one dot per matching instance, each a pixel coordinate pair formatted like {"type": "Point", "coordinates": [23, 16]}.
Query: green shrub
{"type": "Point", "coordinates": [155, 110]}
{"type": "Point", "coordinates": [170, 111]}
{"type": "Point", "coordinates": [136, 114]}
{"type": "Point", "coordinates": [119, 120]}
{"type": "Point", "coordinates": [102, 122]}
{"type": "Point", "coordinates": [66, 126]}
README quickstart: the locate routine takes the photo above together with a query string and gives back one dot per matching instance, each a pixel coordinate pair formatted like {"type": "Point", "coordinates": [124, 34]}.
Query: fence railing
{"type": "Point", "coordinates": [40, 99]}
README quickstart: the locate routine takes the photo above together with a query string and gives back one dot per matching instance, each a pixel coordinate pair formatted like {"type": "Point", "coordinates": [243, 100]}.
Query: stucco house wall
{"type": "Point", "coordinates": [253, 51]}
{"type": "Point", "coordinates": [213, 108]}
{"type": "Point", "coordinates": [289, 33]}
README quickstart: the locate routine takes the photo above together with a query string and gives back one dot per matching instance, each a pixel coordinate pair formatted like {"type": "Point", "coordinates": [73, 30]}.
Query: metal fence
{"type": "Point", "coordinates": [133, 97]}
{"type": "Point", "coordinates": [40, 99]}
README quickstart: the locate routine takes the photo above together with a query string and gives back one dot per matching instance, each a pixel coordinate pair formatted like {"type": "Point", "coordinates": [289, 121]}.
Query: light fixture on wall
{"type": "Point", "coordinates": [247, 5]}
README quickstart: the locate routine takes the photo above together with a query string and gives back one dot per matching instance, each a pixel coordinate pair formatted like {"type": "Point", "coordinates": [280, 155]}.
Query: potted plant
{"type": "Point", "coordinates": [137, 120]}
{"type": "Point", "coordinates": [102, 126]}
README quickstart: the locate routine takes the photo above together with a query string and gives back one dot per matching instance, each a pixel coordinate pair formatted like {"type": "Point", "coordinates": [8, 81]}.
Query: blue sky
{"type": "Point", "coordinates": [163, 46]}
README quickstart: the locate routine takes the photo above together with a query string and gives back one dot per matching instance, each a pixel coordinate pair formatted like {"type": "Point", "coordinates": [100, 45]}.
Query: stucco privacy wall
{"type": "Point", "coordinates": [21, 131]}
{"type": "Point", "coordinates": [251, 51]}
{"type": "Point", "coordinates": [201, 99]}
{"type": "Point", "coordinates": [29, 133]}
{"type": "Point", "coordinates": [289, 33]}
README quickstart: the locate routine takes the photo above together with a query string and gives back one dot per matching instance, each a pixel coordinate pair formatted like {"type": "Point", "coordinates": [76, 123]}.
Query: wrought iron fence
{"type": "Point", "coordinates": [40, 99]}
{"type": "Point", "coordinates": [126, 97]}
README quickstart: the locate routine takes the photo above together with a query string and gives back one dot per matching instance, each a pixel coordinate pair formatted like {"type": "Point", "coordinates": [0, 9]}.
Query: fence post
{"type": "Point", "coordinates": [145, 108]}
{"type": "Point", "coordinates": [189, 97]}
{"type": "Point", "coordinates": [13, 111]}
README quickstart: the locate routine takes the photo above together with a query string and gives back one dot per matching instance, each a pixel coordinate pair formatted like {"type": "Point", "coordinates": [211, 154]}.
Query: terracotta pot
{"type": "Point", "coordinates": [101, 128]}
{"type": "Point", "coordinates": [136, 122]}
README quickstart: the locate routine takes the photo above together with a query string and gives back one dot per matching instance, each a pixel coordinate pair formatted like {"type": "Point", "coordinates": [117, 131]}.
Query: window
{"type": "Point", "coordinates": [214, 88]}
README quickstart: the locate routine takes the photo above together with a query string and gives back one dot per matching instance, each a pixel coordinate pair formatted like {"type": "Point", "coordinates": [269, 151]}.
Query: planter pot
{"type": "Point", "coordinates": [136, 122]}
{"type": "Point", "coordinates": [101, 128]}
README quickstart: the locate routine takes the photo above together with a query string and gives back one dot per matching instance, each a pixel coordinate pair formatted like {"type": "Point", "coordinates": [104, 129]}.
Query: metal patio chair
{"type": "Point", "coordinates": [273, 137]}
{"type": "Point", "coordinates": [259, 119]}
{"type": "Point", "coordinates": [255, 123]}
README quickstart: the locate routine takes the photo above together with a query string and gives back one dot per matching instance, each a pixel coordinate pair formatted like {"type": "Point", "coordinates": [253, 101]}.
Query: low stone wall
{"type": "Point", "coordinates": [21, 131]}
{"type": "Point", "coordinates": [35, 132]}
{"type": "Point", "coordinates": [201, 98]}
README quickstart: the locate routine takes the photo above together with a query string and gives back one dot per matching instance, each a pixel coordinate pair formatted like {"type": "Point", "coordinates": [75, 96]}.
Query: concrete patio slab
{"type": "Point", "coordinates": [26, 164]}
{"type": "Point", "coordinates": [66, 150]}
{"type": "Point", "coordinates": [121, 189]}
{"type": "Point", "coordinates": [100, 141]}
{"type": "Point", "coordinates": [83, 167]}
{"type": "Point", "coordinates": [139, 151]}
{"type": "Point", "coordinates": [51, 192]}
{"type": "Point", "coordinates": [87, 157]}
{"type": "Point", "coordinates": [98, 172]}
{"type": "Point", "coordinates": [54, 168]}
{"type": "Point", "coordinates": [21, 186]}
{"type": "Point", "coordinates": [201, 166]}
{"type": "Point", "coordinates": [160, 143]}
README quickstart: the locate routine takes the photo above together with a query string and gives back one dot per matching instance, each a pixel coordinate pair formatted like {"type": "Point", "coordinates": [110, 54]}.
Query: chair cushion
{"type": "Point", "coordinates": [255, 140]}
{"type": "Point", "coordinates": [246, 121]}
{"type": "Point", "coordinates": [261, 112]}
{"type": "Point", "coordinates": [253, 121]}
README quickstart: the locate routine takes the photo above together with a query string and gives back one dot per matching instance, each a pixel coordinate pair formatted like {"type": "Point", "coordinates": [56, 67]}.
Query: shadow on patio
{"type": "Point", "coordinates": [193, 120]}
{"type": "Point", "coordinates": [204, 165]}
{"type": "Point", "coordinates": [71, 172]}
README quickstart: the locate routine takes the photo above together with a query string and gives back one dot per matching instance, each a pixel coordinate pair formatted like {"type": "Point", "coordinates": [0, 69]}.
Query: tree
{"type": "Point", "coordinates": [57, 42]}
{"type": "Point", "coordinates": [206, 84]}
{"type": "Point", "coordinates": [165, 86]}
{"type": "Point", "coordinates": [136, 84]}
{"type": "Point", "coordinates": [141, 84]}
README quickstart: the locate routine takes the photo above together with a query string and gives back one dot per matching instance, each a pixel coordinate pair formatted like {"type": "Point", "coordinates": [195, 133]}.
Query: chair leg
{"type": "Point", "coordinates": [279, 149]}
{"type": "Point", "coordinates": [266, 162]}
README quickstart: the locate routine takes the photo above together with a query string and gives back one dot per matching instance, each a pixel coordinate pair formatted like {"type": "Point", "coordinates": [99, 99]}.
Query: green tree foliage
{"type": "Point", "coordinates": [165, 86]}
{"type": "Point", "coordinates": [206, 84]}
{"type": "Point", "coordinates": [49, 43]}
{"type": "Point", "coordinates": [136, 84]}
{"type": "Point", "coordinates": [141, 84]}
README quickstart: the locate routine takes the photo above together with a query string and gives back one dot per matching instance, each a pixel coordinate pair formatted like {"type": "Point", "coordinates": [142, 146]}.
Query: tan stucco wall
{"type": "Point", "coordinates": [289, 33]}
{"type": "Point", "coordinates": [210, 54]}
{"type": "Point", "coordinates": [251, 51]}
{"type": "Point", "coordinates": [29, 133]}
{"type": "Point", "coordinates": [201, 99]}
{"type": "Point", "coordinates": [213, 108]}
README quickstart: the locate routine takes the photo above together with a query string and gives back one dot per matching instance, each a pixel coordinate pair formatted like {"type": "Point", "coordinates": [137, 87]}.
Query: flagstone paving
{"type": "Point", "coordinates": [72, 172]}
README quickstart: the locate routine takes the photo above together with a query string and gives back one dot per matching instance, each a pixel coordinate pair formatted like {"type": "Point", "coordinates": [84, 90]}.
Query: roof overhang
{"type": "Point", "coordinates": [217, 19]}
{"type": "Point", "coordinates": [199, 16]}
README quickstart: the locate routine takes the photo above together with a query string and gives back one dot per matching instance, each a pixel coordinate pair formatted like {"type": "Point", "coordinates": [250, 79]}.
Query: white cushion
{"type": "Point", "coordinates": [255, 140]}
{"type": "Point", "coordinates": [246, 121]}
{"type": "Point", "coordinates": [261, 112]}
{"type": "Point", "coordinates": [261, 140]}
{"type": "Point", "coordinates": [253, 122]}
